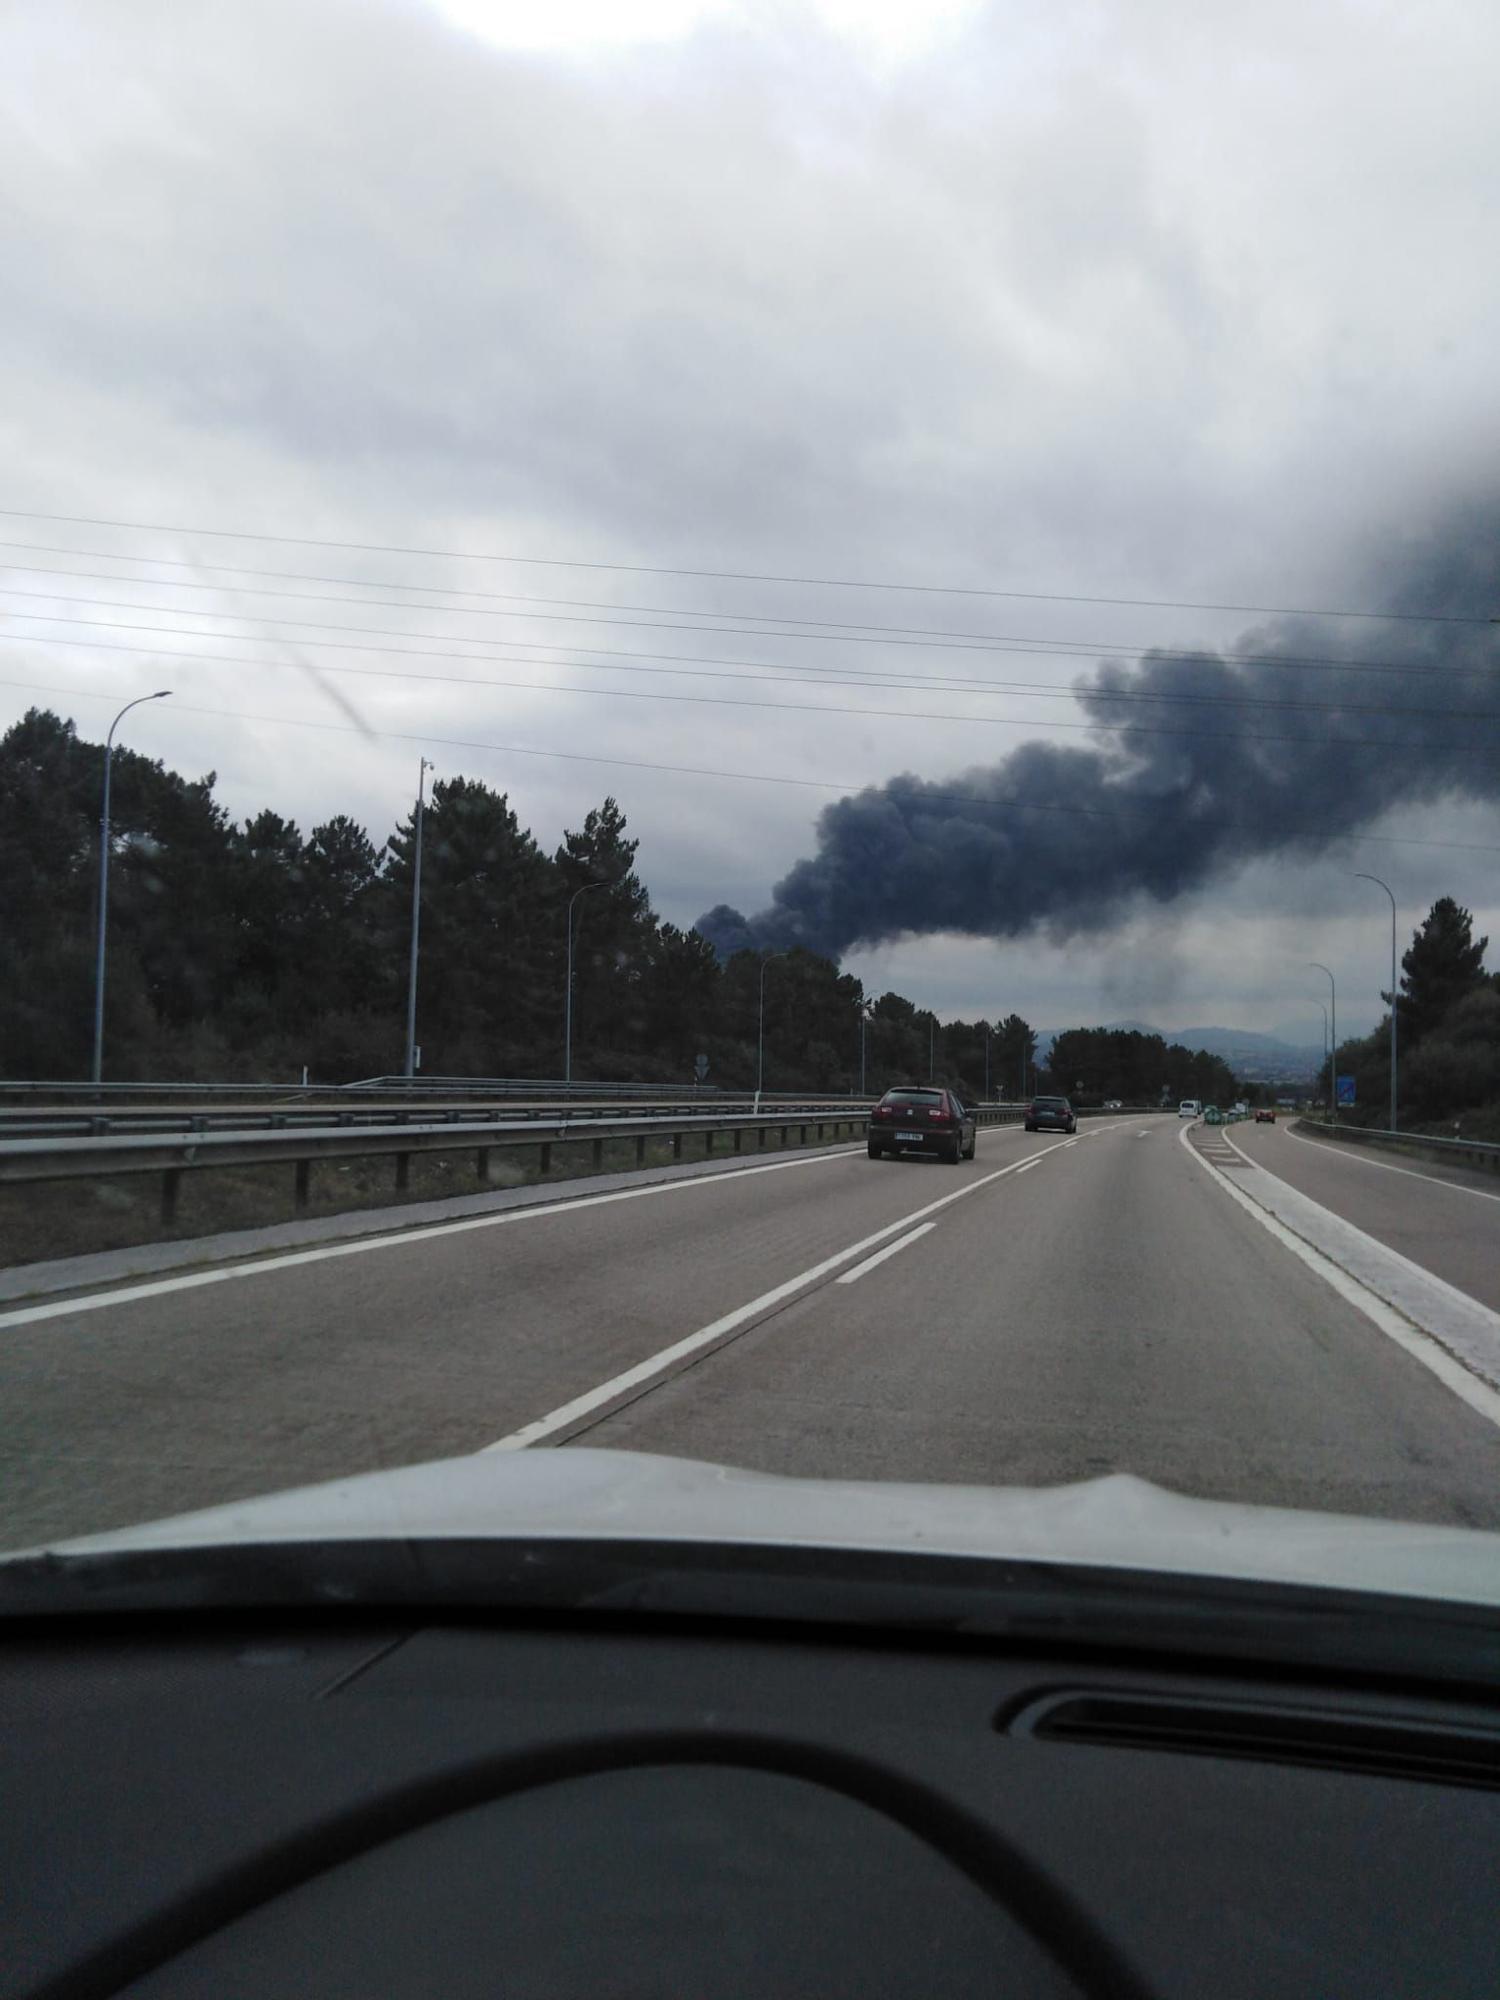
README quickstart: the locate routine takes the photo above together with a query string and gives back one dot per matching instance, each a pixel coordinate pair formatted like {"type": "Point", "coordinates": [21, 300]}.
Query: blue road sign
{"type": "Point", "coordinates": [1345, 1089]}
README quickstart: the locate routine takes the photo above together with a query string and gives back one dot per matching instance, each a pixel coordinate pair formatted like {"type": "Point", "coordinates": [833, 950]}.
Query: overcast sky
{"type": "Point", "coordinates": [1150, 301]}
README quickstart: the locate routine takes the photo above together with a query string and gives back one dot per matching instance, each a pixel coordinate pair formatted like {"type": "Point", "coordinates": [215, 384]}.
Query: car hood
{"type": "Point", "coordinates": [611, 1497]}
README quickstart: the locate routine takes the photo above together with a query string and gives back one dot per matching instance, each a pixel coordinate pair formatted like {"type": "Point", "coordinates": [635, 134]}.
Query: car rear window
{"type": "Point", "coordinates": [1055, 1101]}
{"type": "Point", "coordinates": [913, 1097]}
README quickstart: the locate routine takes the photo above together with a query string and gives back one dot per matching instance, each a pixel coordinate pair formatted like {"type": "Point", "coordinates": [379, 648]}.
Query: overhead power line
{"type": "Point", "coordinates": [737, 576]}
{"type": "Point", "coordinates": [1458, 747]}
{"type": "Point", "coordinates": [830, 631]}
{"type": "Point", "coordinates": [846, 788]}
{"type": "Point", "coordinates": [767, 672]}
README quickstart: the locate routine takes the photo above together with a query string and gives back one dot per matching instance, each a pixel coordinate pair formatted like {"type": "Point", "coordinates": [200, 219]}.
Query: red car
{"type": "Point", "coordinates": [923, 1120]}
{"type": "Point", "coordinates": [1264, 1115]}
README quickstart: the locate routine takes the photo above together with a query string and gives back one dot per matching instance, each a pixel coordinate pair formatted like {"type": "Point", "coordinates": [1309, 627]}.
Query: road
{"type": "Point", "coordinates": [1444, 1218]}
{"type": "Point", "coordinates": [1051, 1311]}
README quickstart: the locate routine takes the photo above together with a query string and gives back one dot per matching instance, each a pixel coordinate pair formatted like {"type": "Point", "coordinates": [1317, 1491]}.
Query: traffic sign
{"type": "Point", "coordinates": [1345, 1089]}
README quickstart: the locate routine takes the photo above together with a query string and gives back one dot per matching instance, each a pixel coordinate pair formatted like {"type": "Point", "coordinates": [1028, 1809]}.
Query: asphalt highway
{"type": "Point", "coordinates": [1053, 1310]}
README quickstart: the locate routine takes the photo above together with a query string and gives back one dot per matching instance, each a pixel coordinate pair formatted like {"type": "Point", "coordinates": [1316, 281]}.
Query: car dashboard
{"type": "Point", "coordinates": [320, 1803]}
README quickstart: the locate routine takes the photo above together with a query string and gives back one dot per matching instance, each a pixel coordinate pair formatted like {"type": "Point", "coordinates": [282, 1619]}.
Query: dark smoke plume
{"type": "Point", "coordinates": [1063, 838]}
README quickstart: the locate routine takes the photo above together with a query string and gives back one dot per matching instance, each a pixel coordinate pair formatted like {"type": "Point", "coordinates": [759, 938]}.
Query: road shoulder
{"type": "Point", "coordinates": [1454, 1335]}
{"type": "Point", "coordinates": [61, 1275]}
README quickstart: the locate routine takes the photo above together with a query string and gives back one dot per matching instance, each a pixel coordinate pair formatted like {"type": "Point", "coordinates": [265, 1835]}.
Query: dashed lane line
{"type": "Point", "coordinates": [648, 1373]}
{"type": "Point", "coordinates": [891, 1249]}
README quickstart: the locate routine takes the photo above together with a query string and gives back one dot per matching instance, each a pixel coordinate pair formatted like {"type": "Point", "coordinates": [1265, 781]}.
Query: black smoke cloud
{"type": "Point", "coordinates": [1228, 761]}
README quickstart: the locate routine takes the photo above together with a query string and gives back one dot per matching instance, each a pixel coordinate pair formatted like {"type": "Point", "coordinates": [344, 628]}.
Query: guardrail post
{"type": "Point", "coordinates": [482, 1164]}
{"type": "Point", "coordinates": [708, 1143]}
{"type": "Point", "coordinates": [544, 1158]}
{"type": "Point", "coordinates": [170, 1182]}
{"type": "Point", "coordinates": [596, 1154]}
{"type": "Point", "coordinates": [784, 1130]}
{"type": "Point", "coordinates": [640, 1149]}
{"type": "Point", "coordinates": [739, 1138]}
{"type": "Point", "coordinates": [403, 1172]}
{"type": "Point", "coordinates": [301, 1186]}
{"type": "Point", "coordinates": [676, 1145]}
{"type": "Point", "coordinates": [820, 1131]}
{"type": "Point", "coordinates": [801, 1135]}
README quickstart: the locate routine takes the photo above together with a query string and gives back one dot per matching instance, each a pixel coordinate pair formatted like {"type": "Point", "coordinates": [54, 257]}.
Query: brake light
{"type": "Point", "coordinates": [884, 1111]}
{"type": "Point", "coordinates": [940, 1118]}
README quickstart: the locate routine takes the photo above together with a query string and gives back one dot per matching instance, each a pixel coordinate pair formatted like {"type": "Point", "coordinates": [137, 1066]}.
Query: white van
{"type": "Point", "coordinates": [1190, 1108]}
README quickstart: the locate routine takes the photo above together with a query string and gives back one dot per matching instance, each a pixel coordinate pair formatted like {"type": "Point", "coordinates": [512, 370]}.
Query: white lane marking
{"type": "Point", "coordinates": [1421, 1345]}
{"type": "Point", "coordinates": [1069, 1142]}
{"type": "Point", "coordinates": [902, 1243]}
{"type": "Point", "coordinates": [188, 1280]}
{"type": "Point", "coordinates": [1143, 1135]}
{"type": "Point", "coordinates": [658, 1363]}
{"type": "Point", "coordinates": [1391, 1255]}
{"type": "Point", "coordinates": [1385, 1166]}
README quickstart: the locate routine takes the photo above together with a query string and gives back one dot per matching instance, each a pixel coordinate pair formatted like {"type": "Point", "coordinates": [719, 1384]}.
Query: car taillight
{"type": "Point", "coordinates": [939, 1117]}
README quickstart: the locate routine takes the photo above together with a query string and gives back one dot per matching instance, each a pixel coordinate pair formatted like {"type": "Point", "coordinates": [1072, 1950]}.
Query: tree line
{"type": "Point", "coordinates": [251, 950]}
{"type": "Point", "coordinates": [1447, 1035]}
{"type": "Point", "coordinates": [1097, 1064]}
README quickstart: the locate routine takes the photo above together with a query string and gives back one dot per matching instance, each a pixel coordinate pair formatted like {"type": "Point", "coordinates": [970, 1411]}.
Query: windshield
{"type": "Point", "coordinates": [592, 592]}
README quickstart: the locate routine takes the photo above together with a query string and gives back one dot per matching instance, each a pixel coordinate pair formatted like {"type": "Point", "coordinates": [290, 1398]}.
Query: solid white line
{"type": "Point", "coordinates": [657, 1364]}
{"type": "Point", "coordinates": [189, 1280]}
{"type": "Point", "coordinates": [1360, 1159]}
{"type": "Point", "coordinates": [1421, 1345]}
{"type": "Point", "coordinates": [902, 1243]}
{"type": "Point", "coordinates": [1026, 1169]}
{"type": "Point", "coordinates": [1391, 1255]}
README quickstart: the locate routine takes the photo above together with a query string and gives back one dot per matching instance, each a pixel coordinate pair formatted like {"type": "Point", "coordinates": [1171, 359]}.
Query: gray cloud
{"type": "Point", "coordinates": [1121, 301]}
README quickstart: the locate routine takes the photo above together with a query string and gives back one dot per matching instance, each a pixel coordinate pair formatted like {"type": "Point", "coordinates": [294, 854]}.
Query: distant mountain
{"type": "Point", "coordinates": [1256, 1057]}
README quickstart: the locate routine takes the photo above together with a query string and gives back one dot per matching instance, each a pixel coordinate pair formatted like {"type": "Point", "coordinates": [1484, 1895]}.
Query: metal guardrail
{"type": "Point", "coordinates": [38, 1160]}
{"type": "Point", "coordinates": [87, 1122]}
{"type": "Point", "coordinates": [376, 1089]}
{"type": "Point", "coordinates": [1483, 1153]}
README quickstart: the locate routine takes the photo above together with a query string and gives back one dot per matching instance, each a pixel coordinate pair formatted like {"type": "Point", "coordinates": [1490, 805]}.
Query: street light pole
{"type": "Point", "coordinates": [986, 1065]}
{"type": "Point", "coordinates": [760, 1033]}
{"type": "Point", "coordinates": [416, 925]}
{"type": "Point", "coordinates": [97, 1067]}
{"type": "Point", "coordinates": [1387, 888]}
{"type": "Point", "coordinates": [568, 1001]}
{"type": "Point", "coordinates": [931, 1047]}
{"type": "Point", "coordinates": [1333, 1040]}
{"type": "Point", "coordinates": [862, 1019]}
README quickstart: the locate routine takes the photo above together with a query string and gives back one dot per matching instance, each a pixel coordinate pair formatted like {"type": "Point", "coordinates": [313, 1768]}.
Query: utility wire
{"type": "Point", "coordinates": [770, 672]}
{"type": "Point", "coordinates": [737, 576]}
{"type": "Point", "coordinates": [834, 630]}
{"type": "Point", "coordinates": [926, 795]}
{"type": "Point", "coordinates": [1457, 746]}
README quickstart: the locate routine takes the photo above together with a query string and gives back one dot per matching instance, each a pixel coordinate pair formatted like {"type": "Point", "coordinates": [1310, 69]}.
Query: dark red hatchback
{"type": "Point", "coordinates": [918, 1119]}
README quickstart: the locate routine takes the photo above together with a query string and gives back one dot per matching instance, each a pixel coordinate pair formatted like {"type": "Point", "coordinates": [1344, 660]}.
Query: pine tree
{"type": "Point", "coordinates": [1442, 964]}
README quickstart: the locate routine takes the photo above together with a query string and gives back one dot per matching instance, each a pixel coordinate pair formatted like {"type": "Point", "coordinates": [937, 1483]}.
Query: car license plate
{"type": "Point", "coordinates": [917, 1136]}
